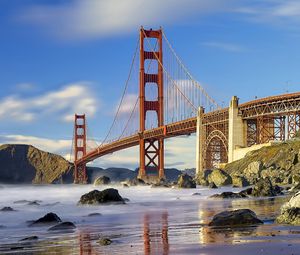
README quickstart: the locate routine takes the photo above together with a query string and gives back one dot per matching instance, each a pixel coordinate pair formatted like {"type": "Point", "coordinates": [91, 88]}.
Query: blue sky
{"type": "Point", "coordinates": [60, 57]}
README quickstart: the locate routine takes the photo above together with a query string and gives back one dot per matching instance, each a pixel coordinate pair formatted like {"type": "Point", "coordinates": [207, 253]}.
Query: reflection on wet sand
{"type": "Point", "coordinates": [156, 234]}
{"type": "Point", "coordinates": [85, 245]}
{"type": "Point", "coordinates": [266, 208]}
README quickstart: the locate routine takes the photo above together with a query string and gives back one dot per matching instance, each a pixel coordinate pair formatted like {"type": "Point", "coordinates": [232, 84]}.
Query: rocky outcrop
{"type": "Point", "coordinates": [290, 211]}
{"type": "Point", "coordinates": [186, 181]}
{"type": "Point", "coordinates": [264, 188]}
{"type": "Point", "coordinates": [279, 162]}
{"type": "Point", "coordinates": [241, 217]}
{"type": "Point", "coordinates": [27, 164]}
{"type": "Point", "coordinates": [97, 197]}
{"type": "Point", "coordinates": [103, 180]}
{"type": "Point", "coordinates": [219, 177]}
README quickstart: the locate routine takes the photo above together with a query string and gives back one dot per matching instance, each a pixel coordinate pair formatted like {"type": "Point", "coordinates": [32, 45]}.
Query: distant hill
{"type": "Point", "coordinates": [21, 163]}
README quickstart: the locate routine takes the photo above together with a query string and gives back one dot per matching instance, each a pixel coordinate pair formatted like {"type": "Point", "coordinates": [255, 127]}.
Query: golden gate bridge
{"type": "Point", "coordinates": [161, 99]}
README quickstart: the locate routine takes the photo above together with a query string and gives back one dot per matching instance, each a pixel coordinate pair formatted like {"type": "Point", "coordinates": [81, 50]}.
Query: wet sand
{"type": "Point", "coordinates": [155, 221]}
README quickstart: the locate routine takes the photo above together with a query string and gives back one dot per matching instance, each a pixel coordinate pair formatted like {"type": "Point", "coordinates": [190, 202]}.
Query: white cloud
{"type": "Point", "coordinates": [51, 145]}
{"type": "Point", "coordinates": [179, 152]}
{"type": "Point", "coordinates": [128, 104]}
{"type": "Point", "coordinates": [225, 46]}
{"type": "Point", "coordinates": [73, 98]}
{"type": "Point", "coordinates": [98, 18]}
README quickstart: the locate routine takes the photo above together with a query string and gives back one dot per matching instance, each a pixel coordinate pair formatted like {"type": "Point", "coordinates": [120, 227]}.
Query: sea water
{"type": "Point", "coordinates": [154, 221]}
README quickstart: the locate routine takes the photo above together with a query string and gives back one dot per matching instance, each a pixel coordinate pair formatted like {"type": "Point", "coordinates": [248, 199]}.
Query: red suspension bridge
{"type": "Point", "coordinates": [161, 99]}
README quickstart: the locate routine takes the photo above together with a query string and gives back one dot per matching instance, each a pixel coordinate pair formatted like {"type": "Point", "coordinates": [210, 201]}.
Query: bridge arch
{"type": "Point", "coordinates": [216, 149]}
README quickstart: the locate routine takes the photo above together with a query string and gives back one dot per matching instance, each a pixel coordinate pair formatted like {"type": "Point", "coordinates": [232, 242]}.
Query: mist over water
{"type": "Point", "coordinates": [154, 221]}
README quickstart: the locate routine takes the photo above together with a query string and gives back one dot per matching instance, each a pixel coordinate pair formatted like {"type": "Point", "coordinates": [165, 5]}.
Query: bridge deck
{"type": "Point", "coordinates": [276, 105]}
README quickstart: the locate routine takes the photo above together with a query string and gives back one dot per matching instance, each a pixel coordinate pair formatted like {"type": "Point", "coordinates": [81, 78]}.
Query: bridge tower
{"type": "Point", "coordinates": [151, 151]}
{"type": "Point", "coordinates": [79, 148]}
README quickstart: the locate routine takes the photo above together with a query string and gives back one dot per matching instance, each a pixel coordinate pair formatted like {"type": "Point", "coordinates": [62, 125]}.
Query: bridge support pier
{"type": "Point", "coordinates": [237, 129]}
{"type": "Point", "coordinates": [200, 144]}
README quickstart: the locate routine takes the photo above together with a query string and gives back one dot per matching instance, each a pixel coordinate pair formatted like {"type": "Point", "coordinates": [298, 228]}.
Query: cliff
{"type": "Point", "coordinates": [26, 164]}
{"type": "Point", "coordinates": [280, 162]}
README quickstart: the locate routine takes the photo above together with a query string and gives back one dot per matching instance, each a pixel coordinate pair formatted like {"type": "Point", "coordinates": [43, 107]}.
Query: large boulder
{"type": "Point", "coordinates": [235, 218]}
{"type": "Point", "coordinates": [264, 188]}
{"type": "Point", "coordinates": [96, 197]}
{"type": "Point", "coordinates": [102, 180]}
{"type": "Point", "coordinates": [290, 211]}
{"type": "Point", "coordinates": [239, 181]}
{"type": "Point", "coordinates": [219, 177]}
{"type": "Point", "coordinates": [186, 181]}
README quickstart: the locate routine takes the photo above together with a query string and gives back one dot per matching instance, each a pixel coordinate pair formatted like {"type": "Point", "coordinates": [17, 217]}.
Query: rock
{"type": "Point", "coordinates": [125, 185]}
{"type": "Point", "coordinates": [103, 180]}
{"type": "Point", "coordinates": [21, 201]}
{"type": "Point", "coordinates": [196, 194]}
{"type": "Point", "coordinates": [33, 203]}
{"type": "Point", "coordinates": [219, 177]}
{"type": "Point", "coordinates": [241, 217]}
{"type": "Point", "coordinates": [289, 216]}
{"type": "Point", "coordinates": [104, 241]}
{"type": "Point", "coordinates": [94, 214]}
{"type": "Point", "coordinates": [212, 185]}
{"type": "Point", "coordinates": [136, 182]}
{"type": "Point", "coordinates": [29, 238]}
{"type": "Point", "coordinates": [186, 181]}
{"type": "Point", "coordinates": [246, 192]}
{"type": "Point", "coordinates": [49, 218]}
{"type": "Point", "coordinates": [63, 226]}
{"type": "Point", "coordinates": [100, 197]}
{"type": "Point", "coordinates": [161, 184]}
{"type": "Point", "coordinates": [7, 209]}
{"type": "Point", "coordinates": [253, 169]}
{"type": "Point", "coordinates": [239, 181]}
{"type": "Point", "coordinates": [201, 178]}
{"type": "Point", "coordinates": [226, 195]}
{"type": "Point", "coordinates": [264, 188]}
{"type": "Point", "coordinates": [290, 211]}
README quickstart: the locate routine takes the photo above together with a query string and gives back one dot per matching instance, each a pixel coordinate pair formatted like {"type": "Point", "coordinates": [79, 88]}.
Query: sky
{"type": "Point", "coordinates": [59, 57]}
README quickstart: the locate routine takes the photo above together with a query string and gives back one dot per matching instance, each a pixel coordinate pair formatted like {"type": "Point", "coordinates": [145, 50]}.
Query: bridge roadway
{"type": "Point", "coordinates": [274, 105]}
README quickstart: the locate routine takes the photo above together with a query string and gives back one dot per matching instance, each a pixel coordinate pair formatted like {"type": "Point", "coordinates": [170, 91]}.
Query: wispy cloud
{"type": "Point", "coordinates": [70, 99]}
{"type": "Point", "coordinates": [275, 12]}
{"type": "Point", "coordinates": [100, 18]}
{"type": "Point", "coordinates": [225, 46]}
